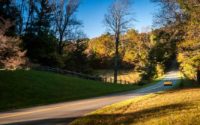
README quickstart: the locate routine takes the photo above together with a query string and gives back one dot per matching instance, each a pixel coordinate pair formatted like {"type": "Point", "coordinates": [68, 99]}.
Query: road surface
{"type": "Point", "coordinates": [63, 113]}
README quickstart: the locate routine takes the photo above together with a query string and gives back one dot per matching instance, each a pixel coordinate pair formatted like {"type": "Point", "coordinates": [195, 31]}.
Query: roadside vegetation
{"type": "Point", "coordinates": [179, 106]}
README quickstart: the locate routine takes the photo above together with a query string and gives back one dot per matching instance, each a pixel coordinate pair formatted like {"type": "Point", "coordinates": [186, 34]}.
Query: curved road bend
{"type": "Point", "coordinates": [63, 113]}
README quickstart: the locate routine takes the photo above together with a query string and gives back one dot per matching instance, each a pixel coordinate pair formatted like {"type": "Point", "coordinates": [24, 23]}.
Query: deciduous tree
{"type": "Point", "coordinates": [117, 21]}
{"type": "Point", "coordinates": [65, 21]}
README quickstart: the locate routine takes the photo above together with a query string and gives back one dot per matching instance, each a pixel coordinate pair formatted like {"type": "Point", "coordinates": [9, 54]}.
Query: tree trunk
{"type": "Point", "coordinates": [198, 75]}
{"type": "Point", "coordinates": [60, 46]}
{"type": "Point", "coordinates": [116, 58]}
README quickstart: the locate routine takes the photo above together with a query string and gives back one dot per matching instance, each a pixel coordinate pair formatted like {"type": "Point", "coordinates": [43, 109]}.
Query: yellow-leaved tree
{"type": "Point", "coordinates": [189, 48]}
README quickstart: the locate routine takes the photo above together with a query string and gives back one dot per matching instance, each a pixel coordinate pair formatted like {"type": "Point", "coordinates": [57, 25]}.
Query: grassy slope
{"type": "Point", "coordinates": [28, 88]}
{"type": "Point", "coordinates": [180, 107]}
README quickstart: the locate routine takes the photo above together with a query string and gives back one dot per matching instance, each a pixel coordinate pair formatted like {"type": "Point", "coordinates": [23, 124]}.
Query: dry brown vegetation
{"type": "Point", "coordinates": [123, 75]}
{"type": "Point", "coordinates": [180, 107]}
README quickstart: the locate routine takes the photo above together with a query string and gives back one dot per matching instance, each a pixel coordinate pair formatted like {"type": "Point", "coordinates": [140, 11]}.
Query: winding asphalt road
{"type": "Point", "coordinates": [63, 113]}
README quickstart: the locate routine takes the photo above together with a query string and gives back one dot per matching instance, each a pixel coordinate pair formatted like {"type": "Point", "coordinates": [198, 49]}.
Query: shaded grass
{"type": "Point", "coordinates": [186, 83]}
{"type": "Point", "coordinates": [29, 88]}
{"type": "Point", "coordinates": [180, 107]}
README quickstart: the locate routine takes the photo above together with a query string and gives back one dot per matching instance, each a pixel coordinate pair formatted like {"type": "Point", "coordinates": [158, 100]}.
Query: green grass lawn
{"type": "Point", "coordinates": [178, 107]}
{"type": "Point", "coordinates": [22, 88]}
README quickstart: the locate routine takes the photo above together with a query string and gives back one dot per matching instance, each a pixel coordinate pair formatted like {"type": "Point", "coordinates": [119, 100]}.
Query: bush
{"type": "Point", "coordinates": [52, 60]}
{"type": "Point", "coordinates": [159, 70]}
{"type": "Point", "coordinates": [152, 71]}
{"type": "Point", "coordinates": [148, 72]}
{"type": "Point", "coordinates": [76, 59]}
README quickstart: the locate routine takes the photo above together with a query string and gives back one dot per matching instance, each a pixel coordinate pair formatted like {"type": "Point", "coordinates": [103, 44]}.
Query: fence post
{"type": "Point", "coordinates": [106, 79]}
{"type": "Point", "coordinates": [198, 75]}
{"type": "Point", "coordinates": [77, 74]}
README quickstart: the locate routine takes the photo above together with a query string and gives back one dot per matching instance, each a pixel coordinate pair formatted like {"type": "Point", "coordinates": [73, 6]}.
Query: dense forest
{"type": "Point", "coordinates": [48, 33]}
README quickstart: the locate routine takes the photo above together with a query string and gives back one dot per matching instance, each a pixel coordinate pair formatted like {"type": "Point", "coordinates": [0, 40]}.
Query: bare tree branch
{"type": "Point", "coordinates": [64, 19]}
{"type": "Point", "coordinates": [117, 21]}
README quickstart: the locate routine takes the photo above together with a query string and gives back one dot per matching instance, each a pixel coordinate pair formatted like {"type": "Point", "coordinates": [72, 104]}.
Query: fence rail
{"type": "Point", "coordinates": [80, 75]}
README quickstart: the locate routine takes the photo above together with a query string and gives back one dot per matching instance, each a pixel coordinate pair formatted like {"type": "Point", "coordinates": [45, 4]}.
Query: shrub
{"type": "Point", "coordinates": [159, 70]}
{"type": "Point", "coordinates": [52, 60]}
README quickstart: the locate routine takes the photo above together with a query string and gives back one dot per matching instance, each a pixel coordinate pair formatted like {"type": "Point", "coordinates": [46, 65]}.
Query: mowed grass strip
{"type": "Point", "coordinates": [178, 107]}
{"type": "Point", "coordinates": [22, 88]}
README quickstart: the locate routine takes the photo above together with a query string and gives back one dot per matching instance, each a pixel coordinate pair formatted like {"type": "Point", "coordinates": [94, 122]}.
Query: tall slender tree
{"type": "Point", "coordinates": [117, 21]}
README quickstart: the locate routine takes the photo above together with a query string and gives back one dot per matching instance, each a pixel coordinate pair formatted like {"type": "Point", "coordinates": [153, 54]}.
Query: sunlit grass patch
{"type": "Point", "coordinates": [123, 75]}
{"type": "Point", "coordinates": [180, 107]}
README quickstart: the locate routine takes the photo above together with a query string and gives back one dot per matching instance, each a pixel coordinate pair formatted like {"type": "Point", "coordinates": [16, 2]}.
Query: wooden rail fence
{"type": "Point", "coordinates": [80, 75]}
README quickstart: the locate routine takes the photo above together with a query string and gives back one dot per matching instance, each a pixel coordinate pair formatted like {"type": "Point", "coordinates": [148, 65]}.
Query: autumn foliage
{"type": "Point", "coordinates": [11, 55]}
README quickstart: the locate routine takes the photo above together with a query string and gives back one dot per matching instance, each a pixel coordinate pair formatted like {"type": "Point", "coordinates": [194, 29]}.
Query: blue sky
{"type": "Point", "coordinates": [91, 13]}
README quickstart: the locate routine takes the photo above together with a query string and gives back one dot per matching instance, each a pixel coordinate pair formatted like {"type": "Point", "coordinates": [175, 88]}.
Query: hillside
{"type": "Point", "coordinates": [29, 88]}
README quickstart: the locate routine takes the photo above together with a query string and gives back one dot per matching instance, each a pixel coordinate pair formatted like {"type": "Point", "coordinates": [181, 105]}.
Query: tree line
{"type": "Point", "coordinates": [47, 32]}
{"type": "Point", "coordinates": [180, 19]}
{"type": "Point", "coordinates": [43, 26]}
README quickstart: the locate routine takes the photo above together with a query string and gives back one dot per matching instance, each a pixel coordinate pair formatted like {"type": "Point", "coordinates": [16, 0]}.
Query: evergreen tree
{"type": "Point", "coordinates": [9, 11]}
{"type": "Point", "coordinates": [38, 40]}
